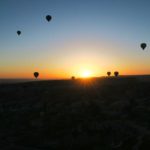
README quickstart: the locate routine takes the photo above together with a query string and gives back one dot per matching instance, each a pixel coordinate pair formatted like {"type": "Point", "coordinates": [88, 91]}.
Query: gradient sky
{"type": "Point", "coordinates": [95, 35]}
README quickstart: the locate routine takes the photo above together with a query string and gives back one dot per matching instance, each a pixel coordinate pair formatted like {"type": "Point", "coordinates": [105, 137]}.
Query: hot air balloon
{"type": "Point", "coordinates": [116, 73]}
{"type": "Point", "coordinates": [48, 18]}
{"type": "Point", "coordinates": [143, 45]}
{"type": "Point", "coordinates": [108, 73]}
{"type": "Point", "coordinates": [36, 74]}
{"type": "Point", "coordinates": [73, 77]}
{"type": "Point", "coordinates": [18, 32]}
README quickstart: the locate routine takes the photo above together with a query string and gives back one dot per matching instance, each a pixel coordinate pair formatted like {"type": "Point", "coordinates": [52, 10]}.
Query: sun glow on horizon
{"type": "Point", "coordinates": [86, 74]}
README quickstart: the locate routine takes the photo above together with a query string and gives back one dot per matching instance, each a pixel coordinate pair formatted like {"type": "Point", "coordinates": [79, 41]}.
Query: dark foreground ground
{"type": "Point", "coordinates": [99, 114]}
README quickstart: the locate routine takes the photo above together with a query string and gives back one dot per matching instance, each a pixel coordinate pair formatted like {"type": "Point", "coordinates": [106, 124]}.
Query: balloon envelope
{"type": "Point", "coordinates": [108, 73]}
{"type": "Point", "coordinates": [48, 18]}
{"type": "Point", "coordinates": [143, 45]}
{"type": "Point", "coordinates": [36, 74]}
{"type": "Point", "coordinates": [116, 73]}
{"type": "Point", "coordinates": [18, 32]}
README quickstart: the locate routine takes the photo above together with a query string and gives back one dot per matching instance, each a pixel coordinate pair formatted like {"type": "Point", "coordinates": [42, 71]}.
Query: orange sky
{"type": "Point", "coordinates": [76, 57]}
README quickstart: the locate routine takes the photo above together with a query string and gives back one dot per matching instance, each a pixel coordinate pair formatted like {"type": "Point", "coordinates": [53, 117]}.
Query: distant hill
{"type": "Point", "coordinates": [7, 81]}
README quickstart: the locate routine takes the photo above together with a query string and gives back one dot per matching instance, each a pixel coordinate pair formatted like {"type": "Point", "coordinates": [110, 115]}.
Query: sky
{"type": "Point", "coordinates": [83, 35]}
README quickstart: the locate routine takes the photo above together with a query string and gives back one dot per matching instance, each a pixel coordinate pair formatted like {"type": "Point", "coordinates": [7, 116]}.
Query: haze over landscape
{"type": "Point", "coordinates": [93, 36]}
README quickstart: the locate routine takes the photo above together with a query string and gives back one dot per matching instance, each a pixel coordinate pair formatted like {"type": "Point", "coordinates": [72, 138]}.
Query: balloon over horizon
{"type": "Point", "coordinates": [36, 74]}
{"type": "Point", "coordinates": [143, 45]}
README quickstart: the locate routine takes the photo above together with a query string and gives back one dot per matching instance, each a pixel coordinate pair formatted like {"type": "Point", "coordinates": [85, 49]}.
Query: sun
{"type": "Point", "coordinates": [86, 74]}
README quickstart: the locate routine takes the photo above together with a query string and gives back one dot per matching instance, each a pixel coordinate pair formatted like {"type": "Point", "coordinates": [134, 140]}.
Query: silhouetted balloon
{"type": "Point", "coordinates": [36, 74]}
{"type": "Point", "coordinates": [73, 77]}
{"type": "Point", "coordinates": [143, 45]}
{"type": "Point", "coordinates": [116, 73]}
{"type": "Point", "coordinates": [18, 32]}
{"type": "Point", "coordinates": [108, 73]}
{"type": "Point", "coordinates": [48, 18]}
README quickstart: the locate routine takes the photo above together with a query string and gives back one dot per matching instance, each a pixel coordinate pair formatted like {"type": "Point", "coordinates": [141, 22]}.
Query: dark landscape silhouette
{"type": "Point", "coordinates": [99, 113]}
